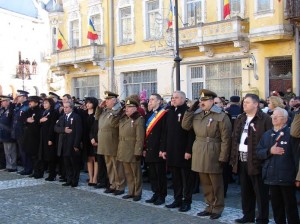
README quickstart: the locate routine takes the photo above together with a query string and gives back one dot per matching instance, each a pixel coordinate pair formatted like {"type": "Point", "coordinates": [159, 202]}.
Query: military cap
{"type": "Point", "coordinates": [2, 98]}
{"type": "Point", "coordinates": [22, 93]}
{"type": "Point", "coordinates": [52, 94]}
{"type": "Point", "coordinates": [131, 102]}
{"type": "Point", "coordinates": [206, 94]}
{"type": "Point", "coordinates": [235, 99]}
{"type": "Point", "coordinates": [34, 99]}
{"type": "Point", "coordinates": [109, 95]}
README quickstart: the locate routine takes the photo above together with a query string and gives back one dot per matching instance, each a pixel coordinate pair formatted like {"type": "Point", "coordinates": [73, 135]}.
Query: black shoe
{"type": "Point", "coordinates": [159, 201]}
{"type": "Point", "coordinates": [31, 175]}
{"type": "Point", "coordinates": [37, 177]}
{"type": "Point", "coordinates": [63, 180]}
{"type": "Point", "coordinates": [244, 220]}
{"type": "Point", "coordinates": [98, 186]}
{"type": "Point", "coordinates": [137, 198]}
{"type": "Point", "coordinates": [74, 184]}
{"type": "Point", "coordinates": [50, 179]}
{"type": "Point", "coordinates": [109, 191]}
{"type": "Point", "coordinates": [174, 204]}
{"type": "Point", "coordinates": [127, 196]}
{"type": "Point", "coordinates": [214, 216]}
{"type": "Point", "coordinates": [185, 207]}
{"type": "Point", "coordinates": [92, 184]}
{"type": "Point", "coordinates": [66, 184]}
{"type": "Point", "coordinates": [204, 213]}
{"type": "Point", "coordinates": [12, 170]}
{"type": "Point", "coordinates": [119, 192]}
{"type": "Point", "coordinates": [23, 172]}
{"type": "Point", "coordinates": [152, 199]}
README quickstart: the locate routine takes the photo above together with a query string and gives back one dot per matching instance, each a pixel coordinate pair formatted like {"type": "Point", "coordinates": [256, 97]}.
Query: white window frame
{"type": "Point", "coordinates": [265, 13]}
{"type": "Point", "coordinates": [96, 85]}
{"type": "Point", "coordinates": [73, 17]}
{"type": "Point", "coordinates": [184, 12]}
{"type": "Point", "coordinates": [195, 80]}
{"type": "Point", "coordinates": [146, 21]}
{"type": "Point", "coordinates": [124, 4]}
{"type": "Point", "coordinates": [93, 11]}
{"type": "Point", "coordinates": [221, 10]}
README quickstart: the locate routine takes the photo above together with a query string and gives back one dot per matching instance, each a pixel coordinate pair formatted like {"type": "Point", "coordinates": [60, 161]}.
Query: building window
{"type": "Point", "coordinates": [136, 82]}
{"type": "Point", "coordinates": [194, 12]}
{"type": "Point", "coordinates": [125, 25]}
{"type": "Point", "coordinates": [263, 7]}
{"type": "Point", "coordinates": [54, 39]}
{"type": "Point", "coordinates": [153, 19]}
{"type": "Point", "coordinates": [74, 33]}
{"type": "Point", "coordinates": [197, 80]}
{"type": "Point", "coordinates": [224, 78]}
{"type": "Point", "coordinates": [236, 8]}
{"type": "Point", "coordinates": [86, 86]}
{"type": "Point", "coordinates": [97, 25]}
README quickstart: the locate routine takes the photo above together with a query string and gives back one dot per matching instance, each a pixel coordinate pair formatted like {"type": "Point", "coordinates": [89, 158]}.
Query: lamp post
{"type": "Point", "coordinates": [177, 59]}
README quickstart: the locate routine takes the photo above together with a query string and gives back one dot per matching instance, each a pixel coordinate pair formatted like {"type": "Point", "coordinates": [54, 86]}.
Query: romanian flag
{"type": "Point", "coordinates": [59, 40]}
{"type": "Point", "coordinates": [92, 35]}
{"type": "Point", "coordinates": [226, 12]}
{"type": "Point", "coordinates": [170, 19]}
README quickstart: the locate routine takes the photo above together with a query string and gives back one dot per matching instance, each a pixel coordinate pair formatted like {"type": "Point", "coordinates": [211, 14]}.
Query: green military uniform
{"type": "Point", "coordinates": [210, 149]}
{"type": "Point", "coordinates": [131, 141]}
{"type": "Point", "coordinates": [108, 135]}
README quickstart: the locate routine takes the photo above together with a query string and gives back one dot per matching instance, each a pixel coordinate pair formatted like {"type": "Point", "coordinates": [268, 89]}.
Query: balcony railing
{"type": "Point", "coordinates": [89, 53]}
{"type": "Point", "coordinates": [223, 31]}
{"type": "Point", "coordinates": [293, 9]}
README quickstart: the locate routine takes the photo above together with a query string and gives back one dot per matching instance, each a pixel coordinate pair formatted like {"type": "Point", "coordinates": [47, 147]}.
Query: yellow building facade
{"type": "Point", "coordinates": [254, 50]}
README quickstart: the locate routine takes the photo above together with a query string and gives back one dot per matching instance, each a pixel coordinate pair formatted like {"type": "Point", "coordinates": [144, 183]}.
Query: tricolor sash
{"type": "Point", "coordinates": [153, 120]}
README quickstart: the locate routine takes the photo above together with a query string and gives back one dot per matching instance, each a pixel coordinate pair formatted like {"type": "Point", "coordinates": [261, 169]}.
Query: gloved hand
{"type": "Point", "coordinates": [195, 106]}
{"type": "Point", "coordinates": [222, 164]}
{"type": "Point", "coordinates": [138, 157]}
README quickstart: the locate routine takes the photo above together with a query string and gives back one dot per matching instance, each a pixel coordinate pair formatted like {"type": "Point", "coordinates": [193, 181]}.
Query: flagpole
{"type": "Point", "coordinates": [177, 58]}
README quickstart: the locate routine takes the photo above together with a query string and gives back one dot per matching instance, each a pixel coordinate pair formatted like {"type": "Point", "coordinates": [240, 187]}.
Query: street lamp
{"type": "Point", "coordinates": [177, 58]}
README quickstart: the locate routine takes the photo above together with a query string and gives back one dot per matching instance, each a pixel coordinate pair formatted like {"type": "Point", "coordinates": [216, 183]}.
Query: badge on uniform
{"type": "Point", "coordinates": [132, 121]}
{"type": "Point", "coordinates": [209, 121]}
{"type": "Point", "coordinates": [283, 143]}
{"type": "Point", "coordinates": [110, 114]}
{"type": "Point", "coordinates": [179, 115]}
{"type": "Point", "coordinates": [252, 125]}
{"type": "Point", "coordinates": [279, 136]}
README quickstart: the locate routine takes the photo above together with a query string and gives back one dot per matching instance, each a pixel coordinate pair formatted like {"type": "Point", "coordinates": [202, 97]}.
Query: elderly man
{"type": "Point", "coordinates": [279, 169]}
{"type": "Point", "coordinates": [210, 150]}
{"type": "Point", "coordinates": [178, 153]}
{"type": "Point", "coordinates": [248, 130]}
{"type": "Point", "coordinates": [108, 136]}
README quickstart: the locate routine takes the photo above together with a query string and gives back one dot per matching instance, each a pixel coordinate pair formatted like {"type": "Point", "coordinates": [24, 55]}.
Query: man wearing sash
{"type": "Point", "coordinates": [154, 143]}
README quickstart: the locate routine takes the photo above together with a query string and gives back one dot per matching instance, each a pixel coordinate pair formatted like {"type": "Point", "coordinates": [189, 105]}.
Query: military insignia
{"type": "Point", "coordinates": [128, 102]}
{"type": "Point", "coordinates": [202, 95]}
{"type": "Point", "coordinates": [131, 125]}
{"type": "Point", "coordinates": [209, 122]}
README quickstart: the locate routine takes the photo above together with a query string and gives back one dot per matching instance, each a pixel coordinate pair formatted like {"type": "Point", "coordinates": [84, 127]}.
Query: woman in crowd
{"type": "Point", "coordinates": [89, 150]}
{"type": "Point", "coordinates": [47, 149]}
{"type": "Point", "coordinates": [274, 101]}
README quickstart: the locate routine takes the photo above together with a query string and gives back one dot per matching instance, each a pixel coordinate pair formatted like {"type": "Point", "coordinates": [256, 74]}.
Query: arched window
{"type": "Point", "coordinates": [74, 30]}
{"type": "Point", "coordinates": [125, 22]}
{"type": "Point", "coordinates": [96, 15]}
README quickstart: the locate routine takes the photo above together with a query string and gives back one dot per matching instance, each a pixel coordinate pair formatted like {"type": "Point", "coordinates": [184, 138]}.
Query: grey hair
{"type": "Point", "coordinates": [283, 111]}
{"type": "Point", "coordinates": [71, 104]}
{"type": "Point", "coordinates": [181, 93]}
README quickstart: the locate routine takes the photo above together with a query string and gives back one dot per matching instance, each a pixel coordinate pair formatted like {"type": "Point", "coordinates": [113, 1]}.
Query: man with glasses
{"type": "Point", "coordinates": [248, 130]}
{"type": "Point", "coordinates": [210, 150]}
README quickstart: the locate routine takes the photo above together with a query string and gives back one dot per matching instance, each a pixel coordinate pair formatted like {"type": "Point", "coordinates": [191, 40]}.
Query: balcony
{"type": "Point", "coordinates": [235, 29]}
{"type": "Point", "coordinates": [293, 10]}
{"type": "Point", "coordinates": [84, 54]}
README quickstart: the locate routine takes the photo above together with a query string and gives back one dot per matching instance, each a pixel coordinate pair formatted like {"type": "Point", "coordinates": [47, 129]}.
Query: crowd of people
{"type": "Point", "coordinates": [201, 141]}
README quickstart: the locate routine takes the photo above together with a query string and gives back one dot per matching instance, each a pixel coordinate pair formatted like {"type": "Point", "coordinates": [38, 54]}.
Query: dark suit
{"type": "Point", "coordinates": [157, 166]}
{"type": "Point", "coordinates": [67, 143]}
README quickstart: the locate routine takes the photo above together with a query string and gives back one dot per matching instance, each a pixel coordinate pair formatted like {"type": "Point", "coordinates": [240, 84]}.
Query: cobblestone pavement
{"type": "Point", "coordinates": [29, 200]}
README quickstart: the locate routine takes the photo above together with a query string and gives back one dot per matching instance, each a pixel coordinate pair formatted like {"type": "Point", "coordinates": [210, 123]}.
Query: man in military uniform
{"type": "Point", "coordinates": [210, 150]}
{"type": "Point", "coordinates": [9, 144]}
{"type": "Point", "coordinates": [19, 120]}
{"type": "Point", "coordinates": [108, 142]}
{"type": "Point", "coordinates": [131, 142]}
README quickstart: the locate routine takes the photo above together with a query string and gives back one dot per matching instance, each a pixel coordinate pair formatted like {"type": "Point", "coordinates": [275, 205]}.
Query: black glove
{"type": "Point", "coordinates": [222, 164]}
{"type": "Point", "coordinates": [138, 157]}
{"type": "Point", "coordinates": [195, 106]}
{"type": "Point", "coordinates": [121, 112]}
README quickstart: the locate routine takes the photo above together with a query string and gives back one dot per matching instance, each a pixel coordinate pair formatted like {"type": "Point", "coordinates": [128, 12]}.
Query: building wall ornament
{"type": "Point", "coordinates": [207, 50]}
{"type": "Point", "coordinates": [243, 45]}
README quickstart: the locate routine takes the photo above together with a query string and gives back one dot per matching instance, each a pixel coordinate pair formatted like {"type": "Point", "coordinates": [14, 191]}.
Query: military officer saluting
{"type": "Point", "coordinates": [212, 128]}
{"type": "Point", "coordinates": [131, 142]}
{"type": "Point", "coordinates": [108, 135]}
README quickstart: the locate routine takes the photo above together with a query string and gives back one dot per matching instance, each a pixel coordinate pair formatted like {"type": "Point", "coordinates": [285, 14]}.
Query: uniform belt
{"type": "Point", "coordinates": [208, 139]}
{"type": "Point", "coordinates": [126, 138]}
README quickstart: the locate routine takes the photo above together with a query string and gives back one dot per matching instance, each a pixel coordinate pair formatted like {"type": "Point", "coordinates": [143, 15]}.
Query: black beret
{"type": "Point", "coordinates": [34, 98]}
{"type": "Point", "coordinates": [235, 99]}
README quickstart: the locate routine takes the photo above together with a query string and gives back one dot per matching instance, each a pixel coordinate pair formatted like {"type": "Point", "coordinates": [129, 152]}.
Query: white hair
{"type": "Point", "coordinates": [283, 111]}
{"type": "Point", "coordinates": [180, 93]}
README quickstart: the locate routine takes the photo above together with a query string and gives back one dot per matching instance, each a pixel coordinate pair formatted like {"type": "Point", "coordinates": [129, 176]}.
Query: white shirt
{"type": "Point", "coordinates": [242, 146]}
